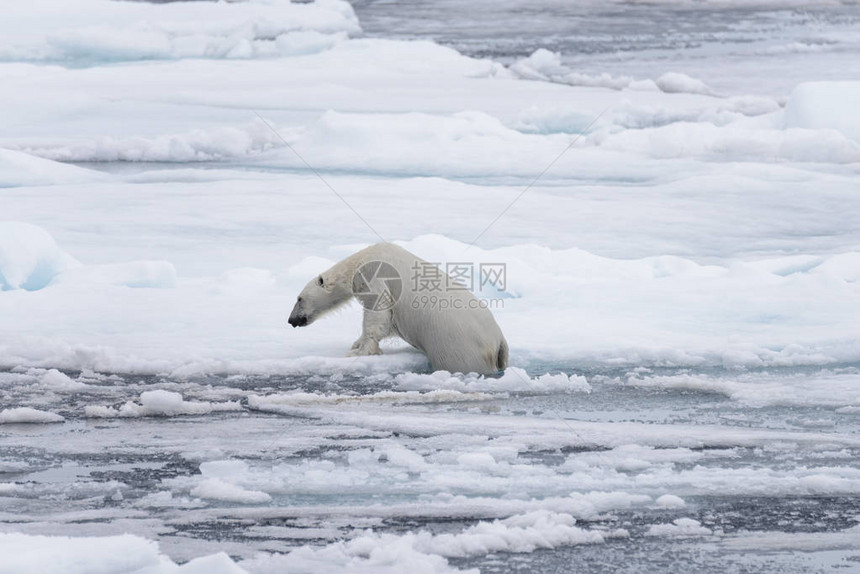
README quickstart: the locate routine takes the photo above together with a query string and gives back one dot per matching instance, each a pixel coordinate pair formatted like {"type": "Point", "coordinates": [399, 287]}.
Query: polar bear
{"type": "Point", "coordinates": [452, 327]}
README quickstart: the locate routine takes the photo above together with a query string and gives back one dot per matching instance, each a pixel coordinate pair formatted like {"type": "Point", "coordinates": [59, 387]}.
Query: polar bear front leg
{"type": "Point", "coordinates": [375, 326]}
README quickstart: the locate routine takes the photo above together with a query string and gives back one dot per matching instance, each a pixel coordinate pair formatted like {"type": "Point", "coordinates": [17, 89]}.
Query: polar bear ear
{"type": "Point", "coordinates": [326, 285]}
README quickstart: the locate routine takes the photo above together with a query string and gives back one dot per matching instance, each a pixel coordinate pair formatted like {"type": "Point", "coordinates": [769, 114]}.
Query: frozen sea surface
{"type": "Point", "coordinates": [683, 283]}
{"type": "Point", "coordinates": [624, 470]}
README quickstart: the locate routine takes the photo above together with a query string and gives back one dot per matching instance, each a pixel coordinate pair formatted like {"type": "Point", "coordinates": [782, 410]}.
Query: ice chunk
{"type": "Point", "coordinates": [56, 380]}
{"type": "Point", "coordinates": [29, 257]}
{"type": "Point", "coordinates": [220, 479]}
{"type": "Point", "coordinates": [675, 82]}
{"type": "Point", "coordinates": [542, 64]}
{"type": "Point", "coordinates": [478, 460]}
{"type": "Point", "coordinates": [427, 552]}
{"type": "Point", "coordinates": [670, 501]}
{"type": "Point", "coordinates": [217, 489]}
{"type": "Point", "coordinates": [519, 533]}
{"type": "Point", "coordinates": [514, 379]}
{"type": "Point", "coordinates": [160, 403]}
{"type": "Point", "coordinates": [680, 528]}
{"type": "Point", "coordinates": [99, 555]}
{"type": "Point", "coordinates": [28, 415]}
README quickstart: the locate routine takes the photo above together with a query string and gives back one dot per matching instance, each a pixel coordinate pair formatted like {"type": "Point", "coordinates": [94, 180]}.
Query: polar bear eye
{"type": "Point", "coordinates": [320, 281]}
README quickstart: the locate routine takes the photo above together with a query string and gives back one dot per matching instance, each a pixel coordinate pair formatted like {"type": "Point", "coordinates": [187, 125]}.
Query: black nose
{"type": "Point", "coordinates": [299, 321]}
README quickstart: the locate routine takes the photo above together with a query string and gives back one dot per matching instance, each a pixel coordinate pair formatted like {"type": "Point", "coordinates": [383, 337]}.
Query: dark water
{"type": "Point", "coordinates": [507, 30]}
{"type": "Point", "coordinates": [739, 47]}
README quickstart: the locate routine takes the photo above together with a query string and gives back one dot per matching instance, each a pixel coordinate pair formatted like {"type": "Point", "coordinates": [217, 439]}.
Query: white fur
{"type": "Point", "coordinates": [459, 336]}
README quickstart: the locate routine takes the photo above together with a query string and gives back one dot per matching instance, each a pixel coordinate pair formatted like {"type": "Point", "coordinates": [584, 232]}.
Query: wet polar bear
{"type": "Point", "coordinates": [457, 332]}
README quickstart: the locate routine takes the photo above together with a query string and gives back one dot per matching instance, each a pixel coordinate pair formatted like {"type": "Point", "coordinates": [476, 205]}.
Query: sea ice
{"type": "Point", "coordinates": [825, 105]}
{"type": "Point", "coordinates": [29, 257]}
{"type": "Point", "coordinates": [28, 415]}
{"type": "Point", "coordinates": [160, 403]}
{"type": "Point", "coordinates": [99, 555]}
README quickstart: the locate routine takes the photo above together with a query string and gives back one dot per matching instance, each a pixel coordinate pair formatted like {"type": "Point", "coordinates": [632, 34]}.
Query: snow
{"type": "Point", "coordinates": [55, 380]}
{"type": "Point", "coordinates": [137, 274]}
{"type": "Point", "coordinates": [519, 533]}
{"type": "Point", "coordinates": [649, 296]}
{"type": "Point", "coordinates": [713, 143]}
{"type": "Point", "coordinates": [160, 403]}
{"type": "Point", "coordinates": [670, 501]}
{"type": "Point", "coordinates": [825, 106]}
{"type": "Point", "coordinates": [216, 489]}
{"type": "Point", "coordinates": [680, 528]}
{"type": "Point", "coordinates": [363, 555]}
{"type": "Point", "coordinates": [21, 169]}
{"type": "Point", "coordinates": [29, 257]}
{"type": "Point", "coordinates": [543, 64]}
{"type": "Point", "coordinates": [216, 483]}
{"type": "Point", "coordinates": [196, 145]}
{"type": "Point", "coordinates": [142, 31]}
{"type": "Point", "coordinates": [423, 550]}
{"type": "Point", "coordinates": [546, 65]}
{"type": "Point", "coordinates": [103, 555]}
{"type": "Point", "coordinates": [676, 82]}
{"type": "Point", "coordinates": [512, 380]}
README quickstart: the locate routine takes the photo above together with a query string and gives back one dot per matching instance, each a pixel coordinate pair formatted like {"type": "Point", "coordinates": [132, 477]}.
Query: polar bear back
{"type": "Point", "coordinates": [457, 335]}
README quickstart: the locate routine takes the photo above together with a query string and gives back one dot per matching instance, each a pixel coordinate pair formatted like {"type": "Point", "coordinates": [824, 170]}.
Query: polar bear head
{"type": "Point", "coordinates": [322, 294]}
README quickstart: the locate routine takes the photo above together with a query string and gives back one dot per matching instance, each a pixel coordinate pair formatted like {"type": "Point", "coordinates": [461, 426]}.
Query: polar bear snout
{"type": "Point", "coordinates": [298, 318]}
{"type": "Point", "coordinates": [317, 299]}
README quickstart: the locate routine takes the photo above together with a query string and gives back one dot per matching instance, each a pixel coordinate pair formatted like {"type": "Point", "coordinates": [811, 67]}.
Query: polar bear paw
{"type": "Point", "coordinates": [364, 347]}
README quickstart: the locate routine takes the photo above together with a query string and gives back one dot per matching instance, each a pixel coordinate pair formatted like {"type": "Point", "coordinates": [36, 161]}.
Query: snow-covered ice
{"type": "Point", "coordinates": [102, 555]}
{"type": "Point", "coordinates": [681, 292]}
{"type": "Point", "coordinates": [28, 415]}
